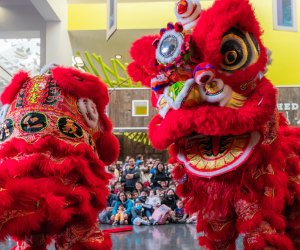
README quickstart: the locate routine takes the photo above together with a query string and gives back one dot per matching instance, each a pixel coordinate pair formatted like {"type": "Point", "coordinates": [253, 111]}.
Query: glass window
{"type": "Point", "coordinates": [140, 108]}
{"type": "Point", "coordinates": [17, 54]}
{"type": "Point", "coordinates": [285, 15]}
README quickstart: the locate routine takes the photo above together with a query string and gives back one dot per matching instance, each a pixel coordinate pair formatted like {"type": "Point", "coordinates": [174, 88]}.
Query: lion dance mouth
{"type": "Point", "coordinates": [209, 156]}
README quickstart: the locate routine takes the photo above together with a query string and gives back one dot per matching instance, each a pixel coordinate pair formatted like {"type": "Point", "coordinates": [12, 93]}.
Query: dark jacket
{"type": "Point", "coordinates": [170, 202]}
{"type": "Point", "coordinates": [159, 176]}
{"type": "Point", "coordinates": [111, 200]}
{"type": "Point", "coordinates": [131, 182]}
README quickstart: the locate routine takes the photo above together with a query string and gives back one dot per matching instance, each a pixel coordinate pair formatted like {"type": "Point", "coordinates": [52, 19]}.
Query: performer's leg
{"type": "Point", "coordinates": [217, 233]}
{"type": "Point", "coordinates": [261, 227]}
{"type": "Point", "coordinates": [83, 237]}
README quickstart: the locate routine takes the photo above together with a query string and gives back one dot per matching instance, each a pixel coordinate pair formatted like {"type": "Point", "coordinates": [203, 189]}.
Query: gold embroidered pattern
{"type": "Point", "coordinates": [246, 210]}
{"type": "Point", "coordinates": [9, 215]}
{"type": "Point", "coordinates": [262, 170]}
{"type": "Point", "coordinates": [295, 179]}
{"type": "Point", "coordinates": [219, 225]}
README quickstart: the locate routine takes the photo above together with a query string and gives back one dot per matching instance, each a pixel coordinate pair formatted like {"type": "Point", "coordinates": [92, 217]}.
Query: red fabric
{"type": "Point", "coordinates": [49, 184]}
{"type": "Point", "coordinates": [259, 201]}
{"type": "Point", "coordinates": [143, 54]}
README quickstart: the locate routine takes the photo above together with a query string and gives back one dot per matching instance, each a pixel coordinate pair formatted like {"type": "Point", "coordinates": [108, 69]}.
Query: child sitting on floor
{"type": "Point", "coordinates": [137, 212]}
{"type": "Point", "coordinates": [119, 218]}
{"type": "Point", "coordinates": [179, 215]}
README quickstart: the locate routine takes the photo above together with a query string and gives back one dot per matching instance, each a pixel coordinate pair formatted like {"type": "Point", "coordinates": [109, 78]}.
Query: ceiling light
{"type": "Point", "coordinates": [77, 61]}
{"type": "Point", "coordinates": [118, 56]}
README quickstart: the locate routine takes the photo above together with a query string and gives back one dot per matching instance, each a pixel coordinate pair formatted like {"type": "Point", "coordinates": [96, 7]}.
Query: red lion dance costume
{"type": "Point", "coordinates": [55, 143]}
{"type": "Point", "coordinates": [237, 160]}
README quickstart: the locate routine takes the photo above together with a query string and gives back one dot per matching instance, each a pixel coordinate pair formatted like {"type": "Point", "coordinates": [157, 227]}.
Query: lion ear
{"type": "Point", "coordinates": [13, 88]}
{"type": "Point", "coordinates": [144, 65]}
{"type": "Point", "coordinates": [108, 148]}
{"type": "Point", "coordinates": [137, 73]}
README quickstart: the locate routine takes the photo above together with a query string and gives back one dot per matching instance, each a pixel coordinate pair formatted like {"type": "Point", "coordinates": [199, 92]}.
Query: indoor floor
{"type": "Point", "coordinates": [164, 237]}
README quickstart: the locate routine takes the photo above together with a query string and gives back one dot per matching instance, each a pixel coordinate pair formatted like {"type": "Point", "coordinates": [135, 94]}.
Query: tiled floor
{"type": "Point", "coordinates": [165, 237]}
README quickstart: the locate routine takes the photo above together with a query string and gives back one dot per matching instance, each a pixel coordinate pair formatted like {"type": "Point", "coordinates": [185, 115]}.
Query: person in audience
{"type": "Point", "coordinates": [170, 199]}
{"type": "Point", "coordinates": [155, 164]}
{"type": "Point", "coordinates": [138, 216]}
{"type": "Point", "coordinates": [119, 217]}
{"type": "Point", "coordinates": [179, 215]}
{"type": "Point", "coordinates": [135, 194]}
{"type": "Point", "coordinates": [127, 203]}
{"type": "Point", "coordinates": [139, 187]}
{"type": "Point", "coordinates": [104, 216]}
{"type": "Point", "coordinates": [145, 175]}
{"type": "Point", "coordinates": [160, 174]}
{"type": "Point", "coordinates": [159, 192]}
{"type": "Point", "coordinates": [163, 185]}
{"type": "Point", "coordinates": [118, 187]}
{"type": "Point", "coordinates": [148, 209]}
{"type": "Point", "coordinates": [119, 166]}
{"type": "Point", "coordinates": [113, 170]}
{"type": "Point", "coordinates": [139, 160]}
{"type": "Point", "coordinates": [153, 199]}
{"type": "Point", "coordinates": [130, 176]}
{"type": "Point", "coordinates": [172, 185]}
{"type": "Point", "coordinates": [129, 195]}
{"type": "Point", "coordinates": [126, 162]}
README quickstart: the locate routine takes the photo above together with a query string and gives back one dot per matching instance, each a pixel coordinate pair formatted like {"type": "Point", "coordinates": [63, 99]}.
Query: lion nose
{"type": "Point", "coordinates": [204, 73]}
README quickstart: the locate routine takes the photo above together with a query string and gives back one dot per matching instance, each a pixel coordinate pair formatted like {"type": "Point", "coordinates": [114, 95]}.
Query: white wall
{"type": "Point", "coordinates": [58, 45]}
{"type": "Point", "coordinates": [25, 21]}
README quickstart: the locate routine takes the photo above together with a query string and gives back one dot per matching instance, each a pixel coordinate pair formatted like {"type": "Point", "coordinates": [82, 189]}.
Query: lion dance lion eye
{"type": "Point", "coordinates": [239, 50]}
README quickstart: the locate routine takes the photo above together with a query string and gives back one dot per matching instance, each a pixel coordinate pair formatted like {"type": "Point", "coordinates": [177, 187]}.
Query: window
{"type": "Point", "coordinates": [140, 108]}
{"type": "Point", "coordinates": [284, 12]}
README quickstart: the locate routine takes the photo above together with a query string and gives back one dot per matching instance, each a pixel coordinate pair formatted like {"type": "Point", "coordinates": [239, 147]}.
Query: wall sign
{"type": "Point", "coordinates": [289, 104]}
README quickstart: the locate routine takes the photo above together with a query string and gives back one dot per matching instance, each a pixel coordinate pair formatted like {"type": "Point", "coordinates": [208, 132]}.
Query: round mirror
{"type": "Point", "coordinates": [168, 46]}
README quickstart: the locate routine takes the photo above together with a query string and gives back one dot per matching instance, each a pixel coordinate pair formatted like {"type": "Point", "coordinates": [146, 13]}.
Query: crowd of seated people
{"type": "Point", "coordinates": [143, 193]}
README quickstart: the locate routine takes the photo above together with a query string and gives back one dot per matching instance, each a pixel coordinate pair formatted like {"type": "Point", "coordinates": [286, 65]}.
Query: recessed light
{"type": "Point", "coordinates": [118, 56]}
{"type": "Point", "coordinates": [77, 61]}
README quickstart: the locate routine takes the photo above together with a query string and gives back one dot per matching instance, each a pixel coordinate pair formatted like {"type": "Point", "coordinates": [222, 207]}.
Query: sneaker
{"type": "Point", "coordinates": [147, 223]}
{"type": "Point", "coordinates": [153, 222]}
{"type": "Point", "coordinates": [115, 223]}
{"type": "Point", "coordinates": [121, 222]}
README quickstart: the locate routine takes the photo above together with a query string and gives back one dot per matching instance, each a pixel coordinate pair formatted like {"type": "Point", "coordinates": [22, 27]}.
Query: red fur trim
{"type": "Point", "coordinates": [143, 54]}
{"type": "Point", "coordinates": [48, 191]}
{"type": "Point", "coordinates": [204, 242]}
{"type": "Point", "coordinates": [108, 148]}
{"type": "Point", "coordinates": [81, 84]}
{"type": "Point", "coordinates": [212, 120]}
{"type": "Point", "coordinates": [281, 242]}
{"type": "Point", "coordinates": [13, 88]}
